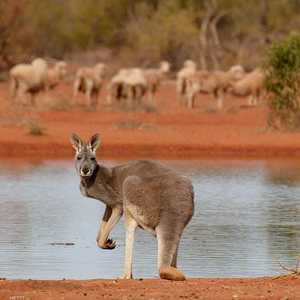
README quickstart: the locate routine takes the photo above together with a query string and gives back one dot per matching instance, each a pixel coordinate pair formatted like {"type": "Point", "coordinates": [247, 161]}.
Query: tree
{"type": "Point", "coordinates": [283, 82]}
{"type": "Point", "coordinates": [9, 24]}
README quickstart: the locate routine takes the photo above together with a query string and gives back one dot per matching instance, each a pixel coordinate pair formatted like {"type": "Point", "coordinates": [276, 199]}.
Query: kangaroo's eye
{"type": "Point", "coordinates": [79, 157]}
{"type": "Point", "coordinates": [93, 158]}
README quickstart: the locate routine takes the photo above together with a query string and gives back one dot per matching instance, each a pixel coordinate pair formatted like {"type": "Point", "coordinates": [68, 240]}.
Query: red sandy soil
{"type": "Point", "coordinates": [285, 288]}
{"type": "Point", "coordinates": [171, 132]}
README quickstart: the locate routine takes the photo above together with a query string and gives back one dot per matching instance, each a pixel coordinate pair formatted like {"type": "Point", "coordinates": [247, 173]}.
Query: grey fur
{"type": "Point", "coordinates": [150, 195]}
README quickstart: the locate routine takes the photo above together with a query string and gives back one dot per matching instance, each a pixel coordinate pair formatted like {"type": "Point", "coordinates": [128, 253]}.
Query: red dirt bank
{"type": "Point", "coordinates": [173, 132]}
{"type": "Point", "coordinates": [285, 288]}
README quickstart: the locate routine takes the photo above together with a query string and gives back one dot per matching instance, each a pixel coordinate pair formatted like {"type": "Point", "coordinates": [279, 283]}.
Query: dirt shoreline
{"type": "Point", "coordinates": [281, 288]}
{"type": "Point", "coordinates": [172, 132]}
{"type": "Point", "coordinates": [52, 150]}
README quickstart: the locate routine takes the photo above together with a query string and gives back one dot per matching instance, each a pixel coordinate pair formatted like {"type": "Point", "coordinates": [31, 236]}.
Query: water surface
{"type": "Point", "coordinates": [246, 221]}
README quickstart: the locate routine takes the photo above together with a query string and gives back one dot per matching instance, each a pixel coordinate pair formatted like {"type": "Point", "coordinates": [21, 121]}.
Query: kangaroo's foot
{"type": "Point", "coordinates": [171, 273]}
{"type": "Point", "coordinates": [126, 276]}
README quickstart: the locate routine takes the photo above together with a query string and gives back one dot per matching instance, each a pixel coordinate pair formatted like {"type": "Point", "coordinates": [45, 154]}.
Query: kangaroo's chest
{"type": "Point", "coordinates": [100, 192]}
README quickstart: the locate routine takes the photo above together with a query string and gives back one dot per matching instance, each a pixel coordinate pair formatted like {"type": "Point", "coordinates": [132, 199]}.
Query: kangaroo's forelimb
{"type": "Point", "coordinates": [110, 218]}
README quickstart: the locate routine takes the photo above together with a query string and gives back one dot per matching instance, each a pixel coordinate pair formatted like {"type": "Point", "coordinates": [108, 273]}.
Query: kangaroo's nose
{"type": "Point", "coordinates": [85, 170]}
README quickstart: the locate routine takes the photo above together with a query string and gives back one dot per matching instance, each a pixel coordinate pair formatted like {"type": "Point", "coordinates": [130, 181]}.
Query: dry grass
{"type": "Point", "coordinates": [54, 103]}
{"type": "Point", "coordinates": [294, 271]}
{"type": "Point", "coordinates": [129, 125]}
{"type": "Point", "coordinates": [34, 128]}
{"type": "Point", "coordinates": [132, 125]}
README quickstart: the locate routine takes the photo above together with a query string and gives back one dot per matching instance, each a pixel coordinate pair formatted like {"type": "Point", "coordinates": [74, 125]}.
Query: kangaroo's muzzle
{"type": "Point", "coordinates": [85, 171]}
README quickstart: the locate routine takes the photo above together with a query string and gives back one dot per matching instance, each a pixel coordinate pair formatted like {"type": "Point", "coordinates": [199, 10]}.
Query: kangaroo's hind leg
{"type": "Point", "coordinates": [130, 226]}
{"type": "Point", "coordinates": [168, 238]}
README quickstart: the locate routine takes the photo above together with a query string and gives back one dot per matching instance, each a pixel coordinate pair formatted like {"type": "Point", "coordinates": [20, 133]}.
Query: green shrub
{"type": "Point", "coordinates": [282, 81]}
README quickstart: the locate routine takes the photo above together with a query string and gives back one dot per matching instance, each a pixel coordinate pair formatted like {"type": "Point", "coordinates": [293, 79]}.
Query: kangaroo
{"type": "Point", "coordinates": [149, 195]}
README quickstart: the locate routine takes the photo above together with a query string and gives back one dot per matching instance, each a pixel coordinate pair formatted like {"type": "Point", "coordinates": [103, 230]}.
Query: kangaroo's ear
{"type": "Point", "coordinates": [76, 142]}
{"type": "Point", "coordinates": [94, 142]}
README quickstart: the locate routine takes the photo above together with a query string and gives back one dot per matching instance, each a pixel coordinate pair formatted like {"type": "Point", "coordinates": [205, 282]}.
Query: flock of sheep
{"type": "Point", "coordinates": [191, 82]}
{"type": "Point", "coordinates": [131, 85]}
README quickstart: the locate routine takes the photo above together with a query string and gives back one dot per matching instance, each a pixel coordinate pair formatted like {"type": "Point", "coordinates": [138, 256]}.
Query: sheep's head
{"type": "Point", "coordinates": [100, 70]}
{"type": "Point", "coordinates": [165, 66]}
{"type": "Point", "coordinates": [236, 72]}
{"type": "Point", "coordinates": [61, 67]}
{"type": "Point", "coordinates": [40, 66]}
{"type": "Point", "coordinates": [190, 64]}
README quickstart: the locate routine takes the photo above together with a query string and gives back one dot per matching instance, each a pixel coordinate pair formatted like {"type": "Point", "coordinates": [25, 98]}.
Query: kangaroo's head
{"type": "Point", "coordinates": [85, 157]}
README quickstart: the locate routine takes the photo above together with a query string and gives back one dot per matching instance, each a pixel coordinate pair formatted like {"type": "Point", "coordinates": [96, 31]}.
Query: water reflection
{"type": "Point", "coordinates": [246, 220]}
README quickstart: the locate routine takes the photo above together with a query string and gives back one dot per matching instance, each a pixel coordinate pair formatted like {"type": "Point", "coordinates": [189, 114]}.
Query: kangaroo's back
{"type": "Point", "coordinates": [153, 185]}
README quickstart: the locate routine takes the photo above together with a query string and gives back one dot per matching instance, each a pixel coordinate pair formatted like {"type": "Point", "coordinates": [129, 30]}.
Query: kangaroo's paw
{"type": "Point", "coordinates": [109, 244]}
{"type": "Point", "coordinates": [171, 273]}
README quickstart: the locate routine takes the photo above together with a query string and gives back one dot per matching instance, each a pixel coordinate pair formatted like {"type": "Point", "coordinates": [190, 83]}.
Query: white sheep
{"type": "Point", "coordinates": [135, 85]}
{"type": "Point", "coordinates": [129, 84]}
{"type": "Point", "coordinates": [154, 77]}
{"type": "Point", "coordinates": [56, 74]}
{"type": "Point", "coordinates": [28, 79]}
{"type": "Point", "coordinates": [252, 85]}
{"type": "Point", "coordinates": [215, 83]}
{"type": "Point", "coordinates": [116, 86]}
{"type": "Point", "coordinates": [89, 80]}
{"type": "Point", "coordinates": [189, 68]}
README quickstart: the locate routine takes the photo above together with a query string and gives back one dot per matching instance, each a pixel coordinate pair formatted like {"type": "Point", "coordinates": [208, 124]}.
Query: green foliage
{"type": "Point", "coordinates": [141, 31]}
{"type": "Point", "coordinates": [169, 33]}
{"type": "Point", "coordinates": [282, 70]}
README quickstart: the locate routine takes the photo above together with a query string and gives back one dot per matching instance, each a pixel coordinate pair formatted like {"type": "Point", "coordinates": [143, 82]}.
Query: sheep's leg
{"type": "Point", "coordinates": [88, 92]}
{"type": "Point", "coordinates": [96, 100]}
{"type": "Point", "coordinates": [138, 95]}
{"type": "Point", "coordinates": [220, 99]}
{"type": "Point", "coordinates": [191, 92]}
{"type": "Point", "coordinates": [110, 218]}
{"type": "Point", "coordinates": [13, 89]}
{"type": "Point", "coordinates": [190, 99]}
{"type": "Point", "coordinates": [152, 92]}
{"type": "Point", "coordinates": [134, 98]}
{"type": "Point", "coordinates": [76, 88]}
{"type": "Point", "coordinates": [168, 241]}
{"type": "Point", "coordinates": [130, 226]}
{"type": "Point", "coordinates": [181, 91]}
{"type": "Point", "coordinates": [257, 97]}
{"type": "Point", "coordinates": [130, 95]}
{"type": "Point", "coordinates": [23, 95]}
{"type": "Point", "coordinates": [250, 100]}
{"type": "Point", "coordinates": [110, 94]}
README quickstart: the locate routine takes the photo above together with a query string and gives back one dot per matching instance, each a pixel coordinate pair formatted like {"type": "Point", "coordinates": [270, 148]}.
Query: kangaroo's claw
{"type": "Point", "coordinates": [110, 244]}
